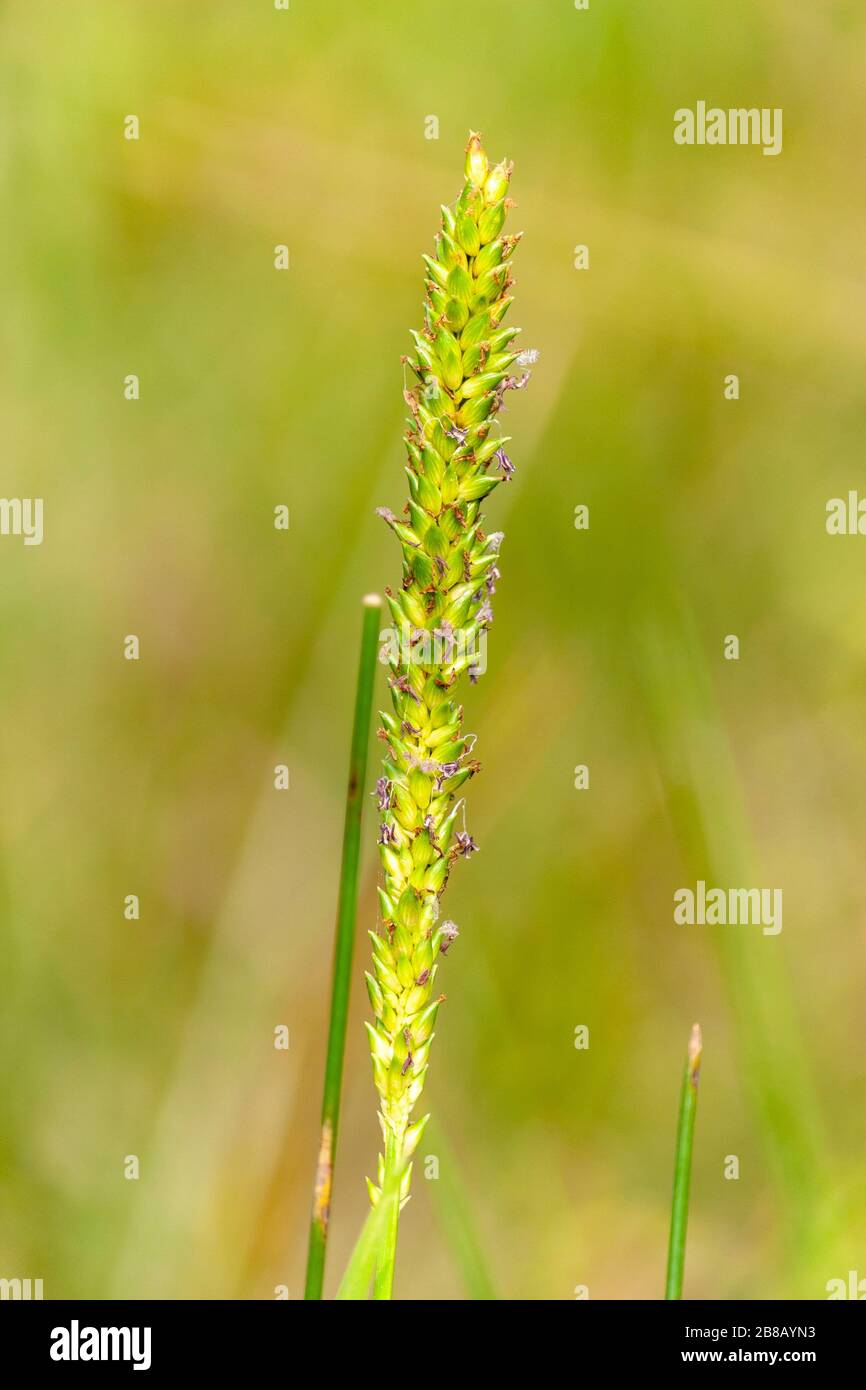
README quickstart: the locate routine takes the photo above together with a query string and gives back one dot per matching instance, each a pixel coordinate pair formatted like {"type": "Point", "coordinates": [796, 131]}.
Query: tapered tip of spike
{"type": "Point", "coordinates": [476, 160]}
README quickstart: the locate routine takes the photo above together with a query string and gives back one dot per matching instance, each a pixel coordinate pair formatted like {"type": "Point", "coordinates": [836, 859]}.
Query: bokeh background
{"type": "Point", "coordinates": [707, 517]}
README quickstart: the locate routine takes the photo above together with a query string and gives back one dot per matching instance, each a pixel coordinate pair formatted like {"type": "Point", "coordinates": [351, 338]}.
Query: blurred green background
{"type": "Point", "coordinates": [155, 257]}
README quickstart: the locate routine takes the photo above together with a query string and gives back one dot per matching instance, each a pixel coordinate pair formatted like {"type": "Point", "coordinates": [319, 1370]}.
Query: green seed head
{"type": "Point", "coordinates": [462, 362]}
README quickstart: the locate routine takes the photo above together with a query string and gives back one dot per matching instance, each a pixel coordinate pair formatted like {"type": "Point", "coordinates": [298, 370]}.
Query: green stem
{"type": "Point", "coordinates": [384, 1284]}
{"type": "Point", "coordinates": [683, 1168]}
{"type": "Point", "coordinates": [343, 948]}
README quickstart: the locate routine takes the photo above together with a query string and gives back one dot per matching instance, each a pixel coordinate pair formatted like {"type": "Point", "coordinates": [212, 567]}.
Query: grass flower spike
{"type": "Point", "coordinates": [463, 365]}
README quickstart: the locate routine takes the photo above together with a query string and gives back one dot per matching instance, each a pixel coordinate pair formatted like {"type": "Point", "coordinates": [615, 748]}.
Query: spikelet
{"type": "Point", "coordinates": [463, 364]}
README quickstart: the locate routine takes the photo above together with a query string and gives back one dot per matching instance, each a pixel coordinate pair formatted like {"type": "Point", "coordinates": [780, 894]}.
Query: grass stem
{"type": "Point", "coordinates": [387, 1258]}
{"type": "Point", "coordinates": [683, 1167]}
{"type": "Point", "coordinates": [344, 943]}
{"type": "Point", "coordinates": [355, 1283]}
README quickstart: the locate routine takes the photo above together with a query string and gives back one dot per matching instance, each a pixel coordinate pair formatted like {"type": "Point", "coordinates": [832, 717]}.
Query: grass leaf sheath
{"type": "Point", "coordinates": [343, 947]}
{"type": "Point", "coordinates": [683, 1166]}
{"type": "Point", "coordinates": [464, 363]}
{"type": "Point", "coordinates": [355, 1283]}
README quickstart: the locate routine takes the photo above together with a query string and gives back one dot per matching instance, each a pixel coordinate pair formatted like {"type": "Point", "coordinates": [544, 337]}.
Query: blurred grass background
{"type": "Point", "coordinates": [707, 517]}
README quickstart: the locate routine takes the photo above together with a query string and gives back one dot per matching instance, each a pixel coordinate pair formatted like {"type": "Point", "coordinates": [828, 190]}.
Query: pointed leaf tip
{"type": "Point", "coordinates": [696, 1046]}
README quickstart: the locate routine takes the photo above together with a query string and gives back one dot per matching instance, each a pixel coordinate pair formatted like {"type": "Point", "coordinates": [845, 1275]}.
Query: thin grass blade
{"type": "Point", "coordinates": [683, 1167]}
{"type": "Point", "coordinates": [344, 943]}
{"type": "Point", "coordinates": [454, 1212]}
